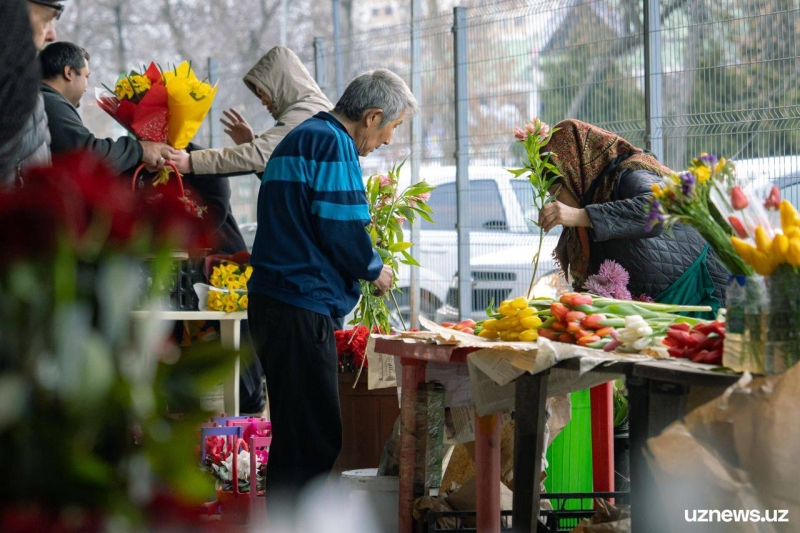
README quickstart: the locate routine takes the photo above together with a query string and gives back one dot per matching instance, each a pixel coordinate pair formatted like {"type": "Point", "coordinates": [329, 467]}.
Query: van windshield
{"type": "Point", "coordinates": [486, 207]}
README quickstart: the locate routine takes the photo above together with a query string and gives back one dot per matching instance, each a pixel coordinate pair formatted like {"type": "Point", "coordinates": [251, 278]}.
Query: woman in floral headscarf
{"type": "Point", "coordinates": [602, 204]}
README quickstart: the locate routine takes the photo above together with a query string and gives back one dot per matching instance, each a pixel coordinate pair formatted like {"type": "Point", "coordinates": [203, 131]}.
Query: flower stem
{"type": "Point", "coordinates": [399, 314]}
{"type": "Point", "coordinates": [536, 263]}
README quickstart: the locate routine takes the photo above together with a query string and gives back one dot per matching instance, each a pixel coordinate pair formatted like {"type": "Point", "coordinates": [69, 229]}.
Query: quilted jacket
{"type": "Point", "coordinates": [29, 148]}
{"type": "Point", "coordinates": [656, 259]}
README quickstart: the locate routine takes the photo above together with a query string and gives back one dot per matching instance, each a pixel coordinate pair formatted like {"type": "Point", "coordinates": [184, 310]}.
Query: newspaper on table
{"type": "Point", "coordinates": [381, 369]}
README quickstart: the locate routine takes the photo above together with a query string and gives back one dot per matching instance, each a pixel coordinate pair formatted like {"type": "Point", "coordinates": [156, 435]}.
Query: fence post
{"type": "Point", "coordinates": [416, 150]}
{"type": "Point", "coordinates": [320, 63]}
{"type": "Point", "coordinates": [337, 48]}
{"type": "Point", "coordinates": [462, 161]}
{"type": "Point", "coordinates": [214, 133]}
{"type": "Point", "coordinates": [653, 90]}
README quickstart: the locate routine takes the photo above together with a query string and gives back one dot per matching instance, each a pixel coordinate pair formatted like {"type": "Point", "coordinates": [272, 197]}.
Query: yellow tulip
{"type": "Point", "coordinates": [744, 249]}
{"type": "Point", "coordinates": [490, 324]}
{"type": "Point", "coordinates": [793, 253]}
{"type": "Point", "coordinates": [763, 242]}
{"type": "Point", "coordinates": [529, 335]}
{"type": "Point", "coordinates": [530, 322]}
{"type": "Point", "coordinates": [792, 233]}
{"type": "Point", "coordinates": [504, 324]}
{"type": "Point", "coordinates": [488, 334]}
{"type": "Point", "coordinates": [512, 336]}
{"type": "Point", "coordinates": [789, 216]}
{"type": "Point", "coordinates": [763, 264]}
{"type": "Point", "coordinates": [780, 245]}
{"type": "Point", "coordinates": [507, 310]}
{"type": "Point", "coordinates": [519, 303]}
{"type": "Point", "coordinates": [528, 311]}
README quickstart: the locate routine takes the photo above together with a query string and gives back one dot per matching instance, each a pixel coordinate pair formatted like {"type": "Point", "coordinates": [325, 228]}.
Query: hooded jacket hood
{"type": "Point", "coordinates": [282, 76]}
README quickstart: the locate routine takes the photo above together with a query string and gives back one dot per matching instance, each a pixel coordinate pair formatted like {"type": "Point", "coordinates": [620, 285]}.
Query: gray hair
{"type": "Point", "coordinates": [377, 89]}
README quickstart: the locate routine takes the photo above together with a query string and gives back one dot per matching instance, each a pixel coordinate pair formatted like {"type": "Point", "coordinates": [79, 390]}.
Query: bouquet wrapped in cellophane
{"type": "Point", "coordinates": [159, 106]}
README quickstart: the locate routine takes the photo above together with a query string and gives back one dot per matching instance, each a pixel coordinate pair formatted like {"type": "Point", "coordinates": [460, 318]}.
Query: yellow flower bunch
{"type": "Point", "coordinates": [230, 276]}
{"type": "Point", "coordinates": [189, 102]}
{"type": "Point", "coordinates": [768, 254]}
{"type": "Point", "coordinates": [132, 86]}
{"type": "Point", "coordinates": [226, 301]}
{"type": "Point", "coordinates": [124, 89]}
{"type": "Point", "coordinates": [199, 90]}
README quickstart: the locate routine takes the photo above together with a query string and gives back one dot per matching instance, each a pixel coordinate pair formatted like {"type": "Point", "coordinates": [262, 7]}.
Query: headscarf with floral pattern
{"type": "Point", "coordinates": [581, 153]}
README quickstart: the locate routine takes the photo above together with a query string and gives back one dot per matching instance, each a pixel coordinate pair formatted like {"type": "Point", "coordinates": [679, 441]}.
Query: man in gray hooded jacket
{"type": "Point", "coordinates": [287, 90]}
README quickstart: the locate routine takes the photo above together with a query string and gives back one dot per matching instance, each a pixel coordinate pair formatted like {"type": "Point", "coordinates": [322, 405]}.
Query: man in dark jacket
{"type": "Point", "coordinates": [65, 78]}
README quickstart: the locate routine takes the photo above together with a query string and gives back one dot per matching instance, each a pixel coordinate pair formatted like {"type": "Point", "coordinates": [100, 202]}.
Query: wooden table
{"type": "Point", "coordinates": [658, 394]}
{"type": "Point", "coordinates": [230, 338]}
{"type": "Point", "coordinates": [414, 357]}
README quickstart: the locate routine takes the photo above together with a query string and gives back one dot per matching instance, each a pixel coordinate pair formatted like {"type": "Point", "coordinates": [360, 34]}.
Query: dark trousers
{"type": "Point", "coordinates": [297, 350]}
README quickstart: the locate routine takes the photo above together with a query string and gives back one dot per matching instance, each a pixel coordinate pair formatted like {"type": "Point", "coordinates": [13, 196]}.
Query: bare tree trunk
{"type": "Point", "coordinates": [347, 37]}
{"type": "Point", "coordinates": [177, 33]}
{"type": "Point", "coordinates": [119, 24]}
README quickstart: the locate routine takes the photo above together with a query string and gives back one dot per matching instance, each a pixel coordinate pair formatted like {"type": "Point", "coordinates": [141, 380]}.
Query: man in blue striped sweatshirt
{"type": "Point", "coordinates": [310, 250]}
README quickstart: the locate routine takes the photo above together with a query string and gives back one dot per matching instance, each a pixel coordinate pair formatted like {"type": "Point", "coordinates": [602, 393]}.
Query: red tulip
{"type": "Point", "coordinates": [738, 198]}
{"type": "Point", "coordinates": [773, 201]}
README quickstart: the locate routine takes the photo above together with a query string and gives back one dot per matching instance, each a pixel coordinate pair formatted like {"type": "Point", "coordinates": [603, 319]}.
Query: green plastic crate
{"type": "Point", "coordinates": [569, 458]}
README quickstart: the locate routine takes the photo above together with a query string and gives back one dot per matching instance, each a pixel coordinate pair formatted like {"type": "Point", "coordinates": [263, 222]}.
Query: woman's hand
{"type": "Point", "coordinates": [556, 213]}
{"type": "Point", "coordinates": [237, 127]}
{"type": "Point", "coordinates": [182, 161]}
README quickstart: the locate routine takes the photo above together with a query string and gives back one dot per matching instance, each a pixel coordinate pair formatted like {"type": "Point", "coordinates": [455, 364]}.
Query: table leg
{"type": "Point", "coordinates": [603, 437]}
{"type": "Point", "coordinates": [413, 375]}
{"type": "Point", "coordinates": [230, 338]}
{"type": "Point", "coordinates": [639, 402]}
{"type": "Point", "coordinates": [531, 401]}
{"type": "Point", "coordinates": [487, 463]}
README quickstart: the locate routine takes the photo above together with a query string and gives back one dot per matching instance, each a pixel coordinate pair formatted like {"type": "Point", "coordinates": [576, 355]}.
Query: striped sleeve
{"type": "Point", "coordinates": [340, 212]}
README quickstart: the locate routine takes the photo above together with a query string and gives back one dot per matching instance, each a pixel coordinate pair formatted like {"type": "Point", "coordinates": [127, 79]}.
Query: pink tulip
{"type": "Point", "coordinates": [530, 128]}
{"type": "Point", "coordinates": [520, 134]}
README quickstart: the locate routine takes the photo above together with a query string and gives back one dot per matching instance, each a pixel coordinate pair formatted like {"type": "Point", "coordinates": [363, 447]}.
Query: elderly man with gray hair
{"type": "Point", "coordinates": [310, 250]}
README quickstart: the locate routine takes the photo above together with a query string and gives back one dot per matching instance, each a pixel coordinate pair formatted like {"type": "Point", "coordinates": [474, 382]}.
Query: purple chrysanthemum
{"type": "Point", "coordinates": [599, 285]}
{"type": "Point", "coordinates": [617, 275]}
{"type": "Point", "coordinates": [611, 281]}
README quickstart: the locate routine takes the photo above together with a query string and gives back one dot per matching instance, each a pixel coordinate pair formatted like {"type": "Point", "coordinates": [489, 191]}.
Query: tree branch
{"type": "Point", "coordinates": [601, 64]}
{"type": "Point", "coordinates": [175, 30]}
